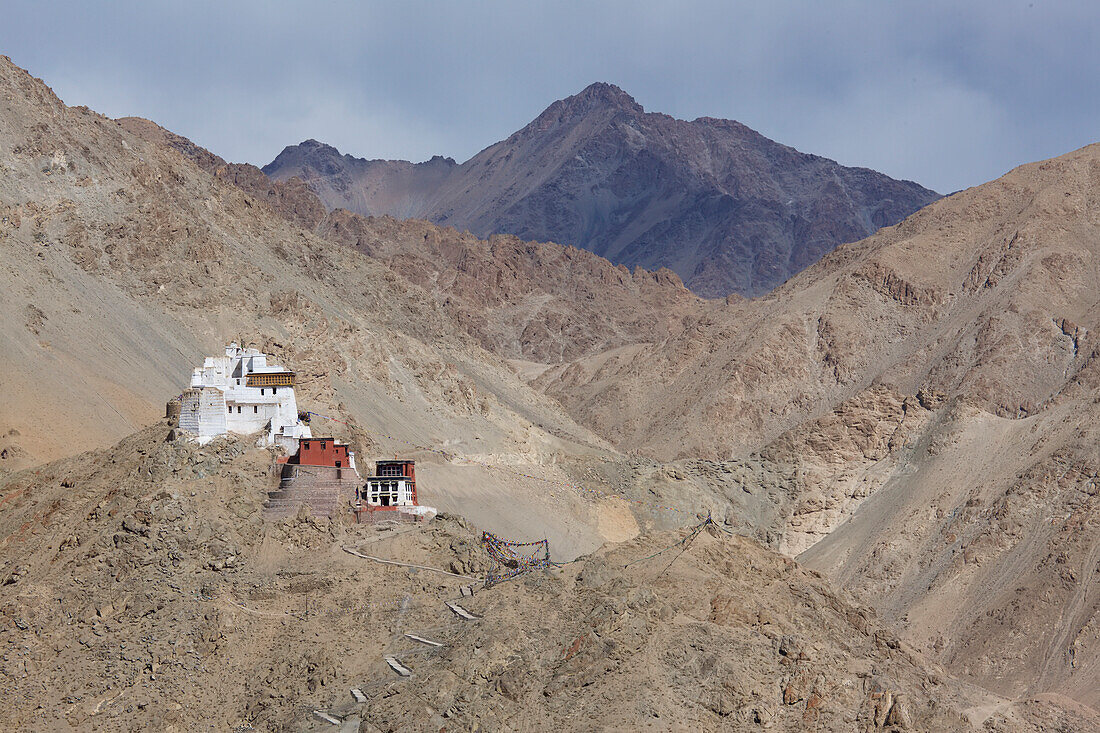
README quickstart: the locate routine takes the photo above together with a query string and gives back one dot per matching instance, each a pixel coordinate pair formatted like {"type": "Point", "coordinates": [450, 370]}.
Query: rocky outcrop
{"type": "Point", "coordinates": [151, 131]}
{"type": "Point", "coordinates": [727, 209]}
{"type": "Point", "coordinates": [291, 198]}
{"type": "Point", "coordinates": [841, 460]}
{"type": "Point", "coordinates": [537, 302]}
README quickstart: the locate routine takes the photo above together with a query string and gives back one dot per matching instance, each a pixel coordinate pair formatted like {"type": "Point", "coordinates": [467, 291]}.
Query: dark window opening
{"type": "Point", "coordinates": [238, 409]}
{"type": "Point", "coordinates": [255, 409]}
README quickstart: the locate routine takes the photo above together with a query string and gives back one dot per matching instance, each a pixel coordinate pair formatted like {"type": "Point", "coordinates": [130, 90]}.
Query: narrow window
{"type": "Point", "coordinates": [238, 409]}
{"type": "Point", "coordinates": [261, 391]}
{"type": "Point", "coordinates": [229, 409]}
{"type": "Point", "coordinates": [274, 390]}
{"type": "Point", "coordinates": [255, 409]}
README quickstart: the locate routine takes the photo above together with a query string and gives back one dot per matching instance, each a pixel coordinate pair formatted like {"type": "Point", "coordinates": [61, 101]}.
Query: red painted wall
{"type": "Point", "coordinates": [321, 452]}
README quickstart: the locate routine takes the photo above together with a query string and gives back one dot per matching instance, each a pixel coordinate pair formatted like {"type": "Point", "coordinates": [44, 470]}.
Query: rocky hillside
{"type": "Point", "coordinates": [525, 301]}
{"type": "Point", "coordinates": [727, 209]}
{"type": "Point", "coordinates": [142, 590]}
{"type": "Point", "coordinates": [984, 296]}
{"type": "Point", "coordinates": [922, 403]}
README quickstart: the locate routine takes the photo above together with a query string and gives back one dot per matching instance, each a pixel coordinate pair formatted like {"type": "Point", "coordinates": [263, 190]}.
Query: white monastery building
{"type": "Point", "coordinates": [242, 393]}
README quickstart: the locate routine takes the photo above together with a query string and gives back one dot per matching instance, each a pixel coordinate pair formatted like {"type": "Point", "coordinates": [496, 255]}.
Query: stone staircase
{"type": "Point", "coordinates": [315, 487]}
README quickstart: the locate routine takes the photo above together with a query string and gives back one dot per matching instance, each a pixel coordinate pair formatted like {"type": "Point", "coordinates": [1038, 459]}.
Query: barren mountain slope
{"type": "Point", "coordinates": [989, 295]}
{"type": "Point", "coordinates": [724, 207]}
{"type": "Point", "coordinates": [923, 400]}
{"type": "Point", "coordinates": [537, 302]}
{"type": "Point", "coordinates": [149, 130]}
{"type": "Point", "coordinates": [939, 381]}
{"type": "Point", "coordinates": [124, 263]}
{"type": "Point", "coordinates": [527, 301]}
{"type": "Point", "coordinates": [143, 591]}
{"type": "Point", "coordinates": [986, 542]}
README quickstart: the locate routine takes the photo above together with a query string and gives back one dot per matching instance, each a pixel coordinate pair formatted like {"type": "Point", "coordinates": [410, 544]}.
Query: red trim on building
{"type": "Point", "coordinates": [321, 452]}
{"type": "Point", "coordinates": [389, 470]}
{"type": "Point", "coordinates": [395, 469]}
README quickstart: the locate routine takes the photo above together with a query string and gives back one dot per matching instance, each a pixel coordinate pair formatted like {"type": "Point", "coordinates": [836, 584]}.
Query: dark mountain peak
{"type": "Point", "coordinates": [598, 98]}
{"type": "Point", "coordinates": [726, 208]}
{"type": "Point", "coordinates": [316, 148]}
{"type": "Point", "coordinates": [602, 94]}
{"type": "Point", "coordinates": [318, 155]}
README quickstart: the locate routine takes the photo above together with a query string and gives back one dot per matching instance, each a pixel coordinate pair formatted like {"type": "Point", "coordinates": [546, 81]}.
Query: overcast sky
{"type": "Point", "coordinates": [949, 94]}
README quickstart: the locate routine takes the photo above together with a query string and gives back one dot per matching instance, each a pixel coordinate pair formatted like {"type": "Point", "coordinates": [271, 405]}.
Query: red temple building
{"type": "Point", "coordinates": [326, 452]}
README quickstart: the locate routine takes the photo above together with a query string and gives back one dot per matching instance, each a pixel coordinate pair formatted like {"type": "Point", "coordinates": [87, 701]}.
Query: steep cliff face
{"type": "Point", "coordinates": [727, 209]}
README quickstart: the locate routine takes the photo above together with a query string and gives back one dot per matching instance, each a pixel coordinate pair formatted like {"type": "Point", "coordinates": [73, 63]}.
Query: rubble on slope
{"type": "Point", "coordinates": [143, 588]}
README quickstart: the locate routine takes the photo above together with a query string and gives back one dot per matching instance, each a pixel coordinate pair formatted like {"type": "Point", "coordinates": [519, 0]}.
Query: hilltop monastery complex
{"type": "Point", "coordinates": [244, 392]}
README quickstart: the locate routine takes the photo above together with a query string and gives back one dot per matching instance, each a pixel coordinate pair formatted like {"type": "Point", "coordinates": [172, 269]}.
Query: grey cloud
{"type": "Point", "coordinates": [949, 94]}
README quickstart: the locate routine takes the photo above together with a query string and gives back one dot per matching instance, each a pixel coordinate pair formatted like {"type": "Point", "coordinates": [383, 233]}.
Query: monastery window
{"type": "Point", "coordinates": [255, 409]}
{"type": "Point", "coordinates": [261, 391]}
{"type": "Point", "coordinates": [238, 409]}
{"type": "Point", "coordinates": [229, 409]}
{"type": "Point", "coordinates": [274, 390]}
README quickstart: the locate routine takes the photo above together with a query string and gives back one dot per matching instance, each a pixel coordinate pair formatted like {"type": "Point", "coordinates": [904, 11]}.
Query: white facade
{"type": "Point", "coordinates": [388, 491]}
{"type": "Point", "coordinates": [242, 393]}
